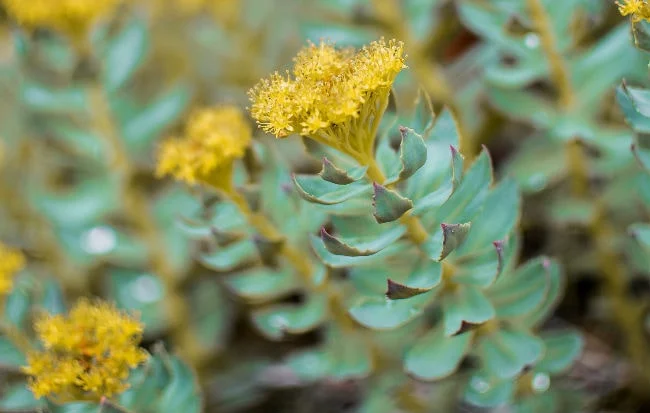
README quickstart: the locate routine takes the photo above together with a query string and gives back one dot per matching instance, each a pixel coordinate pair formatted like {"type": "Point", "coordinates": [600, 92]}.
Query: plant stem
{"type": "Point", "coordinates": [559, 72]}
{"type": "Point", "coordinates": [296, 258]}
{"type": "Point", "coordinates": [627, 315]}
{"type": "Point", "coordinates": [266, 228]}
{"type": "Point", "coordinates": [428, 73]}
{"type": "Point", "coordinates": [138, 212]}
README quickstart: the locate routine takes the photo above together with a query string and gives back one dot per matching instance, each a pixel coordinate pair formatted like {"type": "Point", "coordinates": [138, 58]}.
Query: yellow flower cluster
{"type": "Point", "coordinates": [87, 354]}
{"type": "Point", "coordinates": [72, 17]}
{"type": "Point", "coordinates": [638, 9]}
{"type": "Point", "coordinates": [335, 96]}
{"type": "Point", "coordinates": [11, 261]}
{"type": "Point", "coordinates": [213, 139]}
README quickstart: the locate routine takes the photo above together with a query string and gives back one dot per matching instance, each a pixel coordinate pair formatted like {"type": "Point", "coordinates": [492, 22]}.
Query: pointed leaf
{"type": "Point", "coordinates": [413, 155]}
{"type": "Point", "coordinates": [397, 291]}
{"type": "Point", "coordinates": [522, 291]}
{"type": "Point", "coordinates": [456, 166]}
{"type": "Point", "coordinates": [262, 284]}
{"type": "Point", "coordinates": [339, 261]}
{"type": "Point", "coordinates": [453, 236]}
{"type": "Point", "coordinates": [386, 314]}
{"type": "Point", "coordinates": [182, 392]}
{"type": "Point", "coordinates": [143, 127]}
{"type": "Point", "coordinates": [317, 190]}
{"type": "Point", "coordinates": [335, 175]}
{"type": "Point", "coordinates": [506, 352]}
{"type": "Point", "coordinates": [388, 204]}
{"type": "Point", "coordinates": [465, 304]}
{"type": "Point", "coordinates": [231, 256]}
{"type": "Point", "coordinates": [468, 198]}
{"type": "Point", "coordinates": [497, 219]}
{"type": "Point", "coordinates": [482, 270]}
{"type": "Point", "coordinates": [276, 321]}
{"type": "Point", "coordinates": [435, 356]}
{"type": "Point", "coordinates": [361, 247]}
{"type": "Point", "coordinates": [642, 155]}
{"type": "Point", "coordinates": [124, 53]}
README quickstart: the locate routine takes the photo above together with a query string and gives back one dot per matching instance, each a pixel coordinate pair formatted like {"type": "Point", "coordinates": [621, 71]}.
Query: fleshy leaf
{"type": "Point", "coordinates": [413, 155]}
{"type": "Point", "coordinates": [522, 291]}
{"type": "Point", "coordinates": [489, 392]}
{"type": "Point", "coordinates": [465, 304]}
{"type": "Point", "coordinates": [388, 204]}
{"type": "Point", "coordinates": [641, 33]}
{"type": "Point", "coordinates": [335, 175]}
{"type": "Point", "coordinates": [468, 198]}
{"type": "Point", "coordinates": [275, 321]}
{"type": "Point", "coordinates": [124, 53]}
{"type": "Point", "coordinates": [231, 256]}
{"type": "Point", "coordinates": [360, 247]}
{"type": "Point", "coordinates": [453, 236]}
{"type": "Point", "coordinates": [496, 220]}
{"type": "Point", "coordinates": [481, 270]}
{"type": "Point", "coordinates": [562, 348]}
{"type": "Point", "coordinates": [435, 356]}
{"type": "Point", "coordinates": [339, 261]}
{"type": "Point", "coordinates": [642, 155]}
{"type": "Point", "coordinates": [456, 166]}
{"type": "Point", "coordinates": [385, 314]}
{"type": "Point", "coordinates": [506, 352]}
{"type": "Point", "coordinates": [317, 190]}
{"type": "Point", "coordinates": [261, 284]}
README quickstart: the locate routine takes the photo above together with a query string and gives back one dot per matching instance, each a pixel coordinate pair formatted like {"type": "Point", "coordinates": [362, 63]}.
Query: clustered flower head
{"type": "Point", "coordinates": [213, 139]}
{"type": "Point", "coordinates": [637, 9]}
{"type": "Point", "coordinates": [72, 17]}
{"type": "Point", "coordinates": [335, 96]}
{"type": "Point", "coordinates": [11, 261]}
{"type": "Point", "coordinates": [87, 354]}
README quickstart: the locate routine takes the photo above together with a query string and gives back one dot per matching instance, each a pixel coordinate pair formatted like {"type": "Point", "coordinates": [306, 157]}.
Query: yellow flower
{"type": "Point", "coordinates": [638, 9]}
{"type": "Point", "coordinates": [72, 17]}
{"type": "Point", "coordinates": [11, 261]}
{"type": "Point", "coordinates": [214, 138]}
{"type": "Point", "coordinates": [334, 96]}
{"type": "Point", "coordinates": [86, 355]}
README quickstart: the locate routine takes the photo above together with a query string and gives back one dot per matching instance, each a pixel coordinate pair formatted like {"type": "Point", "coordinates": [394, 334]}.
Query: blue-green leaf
{"type": "Point", "coordinates": [276, 321]}
{"type": "Point", "coordinates": [388, 204]}
{"type": "Point", "coordinates": [506, 352]}
{"type": "Point", "coordinates": [231, 256]}
{"type": "Point", "coordinates": [562, 349]}
{"type": "Point", "coordinates": [465, 304]}
{"type": "Point", "coordinates": [124, 53]}
{"type": "Point", "coordinates": [385, 314]}
{"type": "Point", "coordinates": [316, 189]}
{"type": "Point", "coordinates": [435, 356]}
{"type": "Point", "coordinates": [361, 246]}
{"type": "Point", "coordinates": [262, 284]}
{"type": "Point", "coordinates": [335, 175]}
{"type": "Point", "coordinates": [413, 155]}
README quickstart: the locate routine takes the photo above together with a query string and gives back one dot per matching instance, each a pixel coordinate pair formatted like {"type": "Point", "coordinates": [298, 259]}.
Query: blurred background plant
{"type": "Point", "coordinates": [246, 306]}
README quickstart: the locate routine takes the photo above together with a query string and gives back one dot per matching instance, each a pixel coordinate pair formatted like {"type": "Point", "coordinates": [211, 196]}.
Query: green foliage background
{"type": "Point", "coordinates": [518, 136]}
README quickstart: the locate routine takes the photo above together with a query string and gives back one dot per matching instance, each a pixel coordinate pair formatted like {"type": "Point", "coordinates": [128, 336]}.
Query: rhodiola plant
{"type": "Point", "coordinates": [418, 231]}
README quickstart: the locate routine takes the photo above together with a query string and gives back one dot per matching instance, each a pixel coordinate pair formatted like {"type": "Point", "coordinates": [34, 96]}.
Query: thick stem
{"type": "Point", "coordinates": [559, 72]}
{"type": "Point", "coordinates": [265, 227]}
{"type": "Point", "coordinates": [627, 315]}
